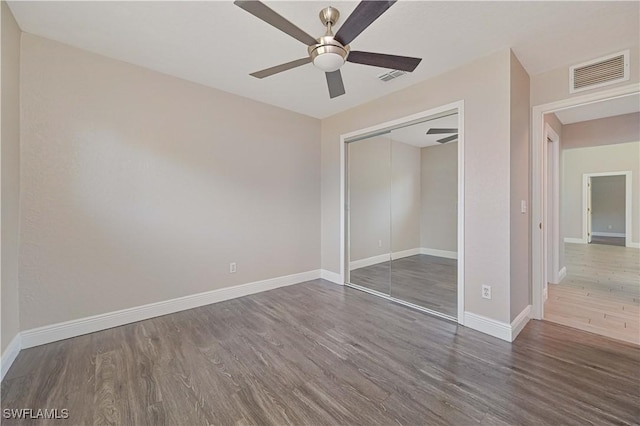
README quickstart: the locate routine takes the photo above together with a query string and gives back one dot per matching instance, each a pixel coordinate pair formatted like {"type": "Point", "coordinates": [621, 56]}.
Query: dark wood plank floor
{"type": "Point", "coordinates": [317, 353]}
{"type": "Point", "coordinates": [427, 281]}
{"type": "Point", "coordinates": [612, 241]}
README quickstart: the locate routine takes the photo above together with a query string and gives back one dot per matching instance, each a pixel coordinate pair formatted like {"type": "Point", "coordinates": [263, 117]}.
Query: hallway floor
{"type": "Point", "coordinates": [601, 292]}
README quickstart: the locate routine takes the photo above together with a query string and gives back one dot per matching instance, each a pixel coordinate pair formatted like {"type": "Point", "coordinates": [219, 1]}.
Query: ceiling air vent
{"type": "Point", "coordinates": [599, 72]}
{"type": "Point", "coordinates": [388, 76]}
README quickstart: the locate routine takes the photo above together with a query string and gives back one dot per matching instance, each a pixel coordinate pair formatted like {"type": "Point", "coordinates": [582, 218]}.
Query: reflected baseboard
{"type": "Point", "coordinates": [374, 260]}
{"type": "Point", "coordinates": [439, 253]}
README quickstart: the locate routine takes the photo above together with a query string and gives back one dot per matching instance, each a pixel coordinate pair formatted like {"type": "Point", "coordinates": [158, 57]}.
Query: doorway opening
{"type": "Point", "coordinates": [607, 213]}
{"type": "Point", "coordinates": [585, 257]}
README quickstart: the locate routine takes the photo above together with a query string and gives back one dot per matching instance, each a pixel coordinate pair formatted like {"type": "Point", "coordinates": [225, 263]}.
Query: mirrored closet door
{"type": "Point", "coordinates": [402, 198]}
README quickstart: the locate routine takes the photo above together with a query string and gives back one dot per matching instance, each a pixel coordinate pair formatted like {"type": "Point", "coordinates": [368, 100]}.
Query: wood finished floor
{"type": "Point", "coordinates": [601, 292]}
{"type": "Point", "coordinates": [426, 281]}
{"type": "Point", "coordinates": [612, 241]}
{"type": "Point", "coordinates": [317, 353]}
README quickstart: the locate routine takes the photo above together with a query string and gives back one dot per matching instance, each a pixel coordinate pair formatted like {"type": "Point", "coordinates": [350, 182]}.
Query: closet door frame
{"type": "Point", "coordinates": [344, 212]}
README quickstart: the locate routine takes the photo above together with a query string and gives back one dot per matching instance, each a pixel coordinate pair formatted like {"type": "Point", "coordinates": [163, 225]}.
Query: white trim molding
{"type": "Point", "coordinates": [64, 330]}
{"type": "Point", "coordinates": [331, 277]}
{"type": "Point", "coordinates": [561, 274]}
{"type": "Point", "coordinates": [499, 329]}
{"type": "Point", "coordinates": [439, 253]}
{"type": "Point", "coordinates": [608, 234]}
{"type": "Point", "coordinates": [572, 240]}
{"type": "Point", "coordinates": [633, 245]}
{"type": "Point", "coordinates": [519, 322]}
{"type": "Point", "coordinates": [9, 355]}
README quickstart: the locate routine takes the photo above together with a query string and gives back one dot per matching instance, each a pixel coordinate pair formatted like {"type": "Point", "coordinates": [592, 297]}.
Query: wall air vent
{"type": "Point", "coordinates": [599, 72]}
{"type": "Point", "coordinates": [388, 76]}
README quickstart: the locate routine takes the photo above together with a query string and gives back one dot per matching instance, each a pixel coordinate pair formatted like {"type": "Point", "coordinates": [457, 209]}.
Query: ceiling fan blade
{"type": "Point", "coordinates": [402, 63]}
{"type": "Point", "coordinates": [362, 16]}
{"type": "Point", "coordinates": [439, 130]}
{"type": "Point", "coordinates": [448, 139]}
{"type": "Point", "coordinates": [279, 68]}
{"type": "Point", "coordinates": [336, 86]}
{"type": "Point", "coordinates": [261, 11]}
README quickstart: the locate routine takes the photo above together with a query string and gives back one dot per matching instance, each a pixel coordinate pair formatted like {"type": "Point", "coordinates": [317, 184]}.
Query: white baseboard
{"type": "Point", "coordinates": [633, 245]}
{"type": "Point", "coordinates": [561, 274]}
{"type": "Point", "coordinates": [575, 240]}
{"type": "Point", "coordinates": [9, 355]}
{"type": "Point", "coordinates": [64, 330]}
{"type": "Point", "coordinates": [519, 322]}
{"type": "Point", "coordinates": [439, 253]}
{"type": "Point", "coordinates": [406, 253]}
{"type": "Point", "coordinates": [499, 329]}
{"type": "Point", "coordinates": [331, 276]}
{"type": "Point", "coordinates": [608, 234]}
{"type": "Point", "coordinates": [374, 260]}
{"type": "Point", "coordinates": [488, 326]}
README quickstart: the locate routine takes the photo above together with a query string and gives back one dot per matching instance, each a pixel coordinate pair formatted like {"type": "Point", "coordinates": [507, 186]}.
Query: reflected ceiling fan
{"type": "Point", "coordinates": [444, 131]}
{"type": "Point", "coordinates": [330, 52]}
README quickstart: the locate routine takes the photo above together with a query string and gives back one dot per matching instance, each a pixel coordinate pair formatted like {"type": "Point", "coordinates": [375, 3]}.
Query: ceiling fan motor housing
{"type": "Point", "coordinates": [329, 54]}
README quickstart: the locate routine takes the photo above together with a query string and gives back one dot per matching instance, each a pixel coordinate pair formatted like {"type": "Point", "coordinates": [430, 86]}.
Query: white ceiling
{"type": "Point", "coordinates": [416, 134]}
{"type": "Point", "coordinates": [218, 44]}
{"type": "Point", "coordinates": [609, 108]}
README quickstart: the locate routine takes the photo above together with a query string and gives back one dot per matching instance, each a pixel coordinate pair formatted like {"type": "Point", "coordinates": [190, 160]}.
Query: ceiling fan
{"type": "Point", "coordinates": [330, 51]}
{"type": "Point", "coordinates": [441, 130]}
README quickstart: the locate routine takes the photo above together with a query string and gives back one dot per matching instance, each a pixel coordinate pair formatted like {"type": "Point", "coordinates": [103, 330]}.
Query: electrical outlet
{"type": "Point", "coordinates": [379, 243]}
{"type": "Point", "coordinates": [486, 292]}
{"type": "Point", "coordinates": [232, 268]}
{"type": "Point", "coordinates": [609, 227]}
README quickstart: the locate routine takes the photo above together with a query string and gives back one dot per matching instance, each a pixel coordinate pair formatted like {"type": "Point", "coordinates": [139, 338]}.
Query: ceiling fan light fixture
{"type": "Point", "coordinates": [328, 62]}
{"type": "Point", "coordinates": [328, 55]}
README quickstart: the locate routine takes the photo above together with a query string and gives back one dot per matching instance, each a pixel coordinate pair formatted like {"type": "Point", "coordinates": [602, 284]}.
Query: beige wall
{"type": "Point", "coordinates": [10, 153]}
{"type": "Point", "coordinates": [138, 187]}
{"type": "Point", "coordinates": [553, 85]}
{"type": "Point", "coordinates": [608, 158]}
{"type": "Point", "coordinates": [519, 223]}
{"type": "Point", "coordinates": [439, 187]}
{"type": "Point", "coordinates": [604, 131]}
{"type": "Point", "coordinates": [608, 204]}
{"type": "Point", "coordinates": [487, 170]}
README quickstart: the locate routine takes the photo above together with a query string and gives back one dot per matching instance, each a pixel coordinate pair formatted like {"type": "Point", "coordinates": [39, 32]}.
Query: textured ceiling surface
{"type": "Point", "coordinates": [217, 44]}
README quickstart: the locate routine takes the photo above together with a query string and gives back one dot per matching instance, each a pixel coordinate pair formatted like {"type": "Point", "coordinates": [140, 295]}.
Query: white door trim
{"type": "Point", "coordinates": [538, 147]}
{"type": "Point", "coordinates": [552, 214]}
{"type": "Point", "coordinates": [344, 252]}
{"type": "Point", "coordinates": [627, 203]}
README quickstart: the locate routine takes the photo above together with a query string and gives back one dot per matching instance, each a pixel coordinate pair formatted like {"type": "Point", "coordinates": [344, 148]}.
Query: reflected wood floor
{"type": "Point", "coordinates": [601, 292]}
{"type": "Point", "coordinates": [317, 353]}
{"type": "Point", "coordinates": [427, 281]}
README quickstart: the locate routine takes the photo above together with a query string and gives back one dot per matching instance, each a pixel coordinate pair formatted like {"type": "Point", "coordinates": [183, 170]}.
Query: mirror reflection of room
{"type": "Point", "coordinates": [403, 218]}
